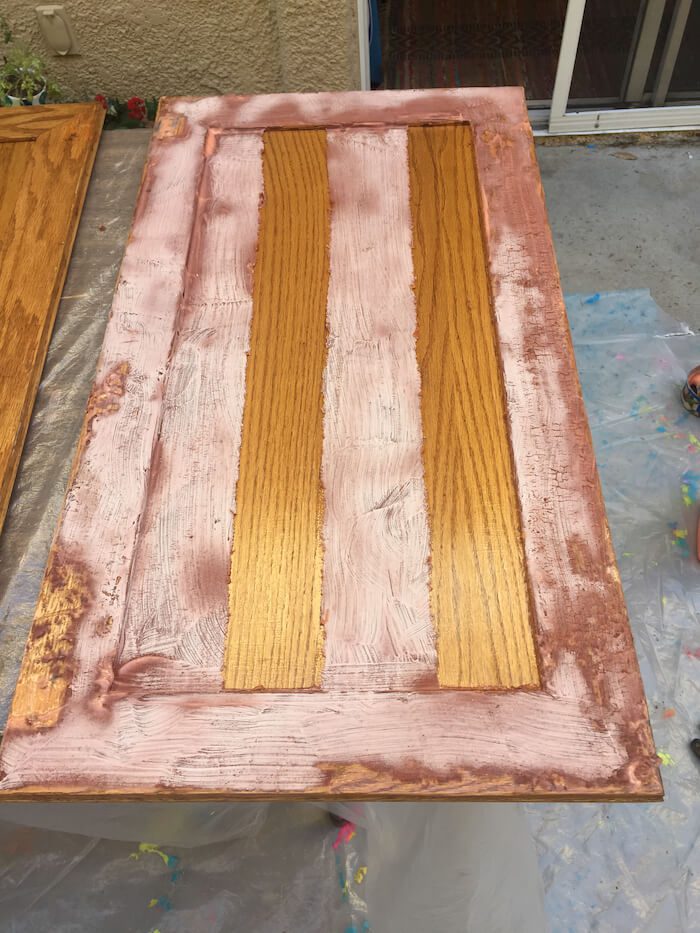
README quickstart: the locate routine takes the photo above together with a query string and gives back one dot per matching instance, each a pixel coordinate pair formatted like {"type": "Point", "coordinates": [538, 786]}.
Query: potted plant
{"type": "Point", "coordinates": [23, 80]}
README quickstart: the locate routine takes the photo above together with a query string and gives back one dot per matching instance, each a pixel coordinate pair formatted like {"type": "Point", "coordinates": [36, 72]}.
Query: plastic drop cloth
{"type": "Point", "coordinates": [393, 868]}
{"type": "Point", "coordinates": [636, 867]}
{"type": "Point", "coordinates": [277, 868]}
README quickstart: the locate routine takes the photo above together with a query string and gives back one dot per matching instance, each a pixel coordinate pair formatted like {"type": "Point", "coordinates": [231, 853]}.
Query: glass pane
{"type": "Point", "coordinates": [686, 74]}
{"type": "Point", "coordinates": [472, 43]}
{"type": "Point", "coordinates": [608, 46]}
{"type": "Point", "coordinates": [685, 82]}
{"type": "Point", "coordinates": [607, 33]}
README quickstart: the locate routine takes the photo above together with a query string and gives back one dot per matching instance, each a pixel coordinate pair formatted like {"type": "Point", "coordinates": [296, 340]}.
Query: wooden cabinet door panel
{"type": "Point", "coordinates": [335, 527]}
{"type": "Point", "coordinates": [46, 156]}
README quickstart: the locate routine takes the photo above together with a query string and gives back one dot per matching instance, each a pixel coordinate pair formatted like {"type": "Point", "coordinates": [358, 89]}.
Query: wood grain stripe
{"type": "Point", "coordinates": [379, 635]}
{"type": "Point", "coordinates": [274, 638]}
{"type": "Point", "coordinates": [478, 587]}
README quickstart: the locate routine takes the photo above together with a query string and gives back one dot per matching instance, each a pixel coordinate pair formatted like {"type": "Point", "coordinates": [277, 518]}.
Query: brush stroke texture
{"type": "Point", "coordinates": [178, 592]}
{"type": "Point", "coordinates": [375, 594]}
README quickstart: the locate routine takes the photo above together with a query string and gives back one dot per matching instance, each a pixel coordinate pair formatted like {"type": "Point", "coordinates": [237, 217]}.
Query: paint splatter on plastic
{"type": "Point", "coordinates": [360, 874]}
{"type": "Point", "coordinates": [163, 902]}
{"type": "Point", "coordinates": [679, 539]}
{"type": "Point", "coordinates": [148, 847]}
{"type": "Point", "coordinates": [690, 486]}
{"type": "Point", "coordinates": [170, 861]}
{"type": "Point", "coordinates": [345, 834]}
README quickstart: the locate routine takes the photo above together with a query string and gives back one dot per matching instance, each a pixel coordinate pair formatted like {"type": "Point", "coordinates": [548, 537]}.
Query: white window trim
{"type": "Point", "coordinates": [363, 37]}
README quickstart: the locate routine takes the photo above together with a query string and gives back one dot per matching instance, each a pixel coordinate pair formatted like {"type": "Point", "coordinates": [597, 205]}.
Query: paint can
{"type": "Point", "coordinates": [690, 393]}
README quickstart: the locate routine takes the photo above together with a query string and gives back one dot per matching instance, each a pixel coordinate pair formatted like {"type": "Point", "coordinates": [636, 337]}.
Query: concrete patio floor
{"type": "Point", "coordinates": [627, 218]}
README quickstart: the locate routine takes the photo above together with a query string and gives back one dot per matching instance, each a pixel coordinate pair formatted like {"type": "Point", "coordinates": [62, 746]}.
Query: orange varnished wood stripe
{"type": "Point", "coordinates": [275, 634]}
{"type": "Point", "coordinates": [479, 596]}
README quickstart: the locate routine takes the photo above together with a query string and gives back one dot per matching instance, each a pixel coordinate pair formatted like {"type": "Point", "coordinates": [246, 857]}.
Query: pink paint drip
{"type": "Point", "coordinates": [345, 834]}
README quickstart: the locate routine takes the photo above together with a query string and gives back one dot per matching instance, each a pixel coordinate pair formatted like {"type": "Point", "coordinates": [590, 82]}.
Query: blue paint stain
{"type": "Point", "coordinates": [341, 876]}
{"type": "Point", "coordinates": [661, 430]}
{"type": "Point", "coordinates": [593, 298]}
{"type": "Point", "coordinates": [691, 479]}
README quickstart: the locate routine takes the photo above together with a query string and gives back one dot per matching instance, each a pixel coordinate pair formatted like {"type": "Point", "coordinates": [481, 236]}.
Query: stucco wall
{"type": "Point", "coordinates": [156, 47]}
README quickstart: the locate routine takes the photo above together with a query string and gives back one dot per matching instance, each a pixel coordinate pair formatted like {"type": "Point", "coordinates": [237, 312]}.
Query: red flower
{"type": "Point", "coordinates": [101, 99]}
{"type": "Point", "coordinates": [136, 107]}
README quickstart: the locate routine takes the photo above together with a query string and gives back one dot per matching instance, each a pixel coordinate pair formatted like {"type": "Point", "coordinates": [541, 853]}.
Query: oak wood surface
{"type": "Point", "coordinates": [478, 586]}
{"type": "Point", "coordinates": [45, 165]}
{"type": "Point", "coordinates": [274, 636]}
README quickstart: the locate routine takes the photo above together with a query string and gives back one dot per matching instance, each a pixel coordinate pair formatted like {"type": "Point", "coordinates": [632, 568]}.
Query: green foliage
{"type": "Point", "coordinates": [22, 72]}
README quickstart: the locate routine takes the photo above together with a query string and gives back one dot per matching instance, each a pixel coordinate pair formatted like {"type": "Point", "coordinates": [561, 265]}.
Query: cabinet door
{"type": "Point", "coordinates": [46, 156]}
{"type": "Point", "coordinates": [334, 527]}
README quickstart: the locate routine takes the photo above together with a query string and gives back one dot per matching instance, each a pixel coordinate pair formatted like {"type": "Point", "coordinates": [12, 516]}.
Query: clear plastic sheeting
{"type": "Point", "coordinates": [278, 868]}
{"type": "Point", "coordinates": [389, 868]}
{"type": "Point", "coordinates": [624, 867]}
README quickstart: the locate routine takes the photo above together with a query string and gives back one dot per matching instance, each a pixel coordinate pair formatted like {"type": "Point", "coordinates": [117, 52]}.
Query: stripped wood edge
{"type": "Point", "coordinates": [587, 659]}
{"type": "Point", "coordinates": [87, 794]}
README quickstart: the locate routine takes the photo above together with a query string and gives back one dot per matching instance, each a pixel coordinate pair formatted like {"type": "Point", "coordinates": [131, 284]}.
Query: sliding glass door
{"type": "Point", "coordinates": [645, 76]}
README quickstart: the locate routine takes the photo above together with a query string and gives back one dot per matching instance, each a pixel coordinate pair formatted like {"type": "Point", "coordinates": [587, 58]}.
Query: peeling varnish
{"type": "Point", "coordinates": [47, 669]}
{"type": "Point", "coordinates": [171, 126]}
{"type": "Point", "coordinates": [106, 395]}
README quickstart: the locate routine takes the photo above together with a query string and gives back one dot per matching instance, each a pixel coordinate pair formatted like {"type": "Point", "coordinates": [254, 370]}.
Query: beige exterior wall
{"type": "Point", "coordinates": [153, 48]}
